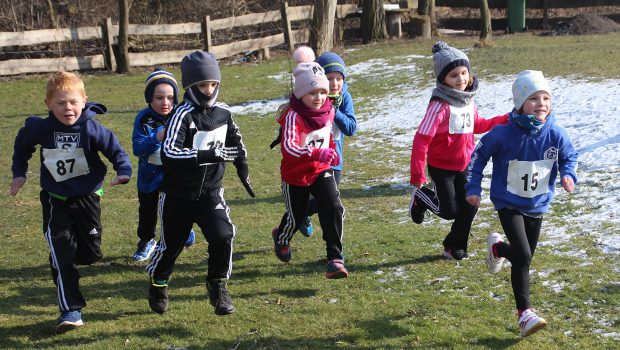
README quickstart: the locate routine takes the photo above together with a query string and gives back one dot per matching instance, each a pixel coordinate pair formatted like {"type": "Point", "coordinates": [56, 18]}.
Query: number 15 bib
{"type": "Point", "coordinates": [529, 179]}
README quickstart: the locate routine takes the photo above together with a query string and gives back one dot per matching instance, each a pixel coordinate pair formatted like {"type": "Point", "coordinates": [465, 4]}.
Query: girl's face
{"type": "Point", "coordinates": [207, 87]}
{"type": "Point", "coordinates": [314, 99]}
{"type": "Point", "coordinates": [537, 104]}
{"type": "Point", "coordinates": [336, 80]}
{"type": "Point", "coordinates": [66, 106]}
{"type": "Point", "coordinates": [163, 99]}
{"type": "Point", "coordinates": [457, 78]}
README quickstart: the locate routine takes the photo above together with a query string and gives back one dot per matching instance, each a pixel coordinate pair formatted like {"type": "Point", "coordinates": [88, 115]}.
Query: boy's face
{"type": "Point", "coordinates": [314, 99]}
{"type": "Point", "coordinates": [457, 78]}
{"type": "Point", "coordinates": [336, 80]}
{"type": "Point", "coordinates": [537, 104]}
{"type": "Point", "coordinates": [207, 87]}
{"type": "Point", "coordinates": [66, 106]}
{"type": "Point", "coordinates": [163, 99]}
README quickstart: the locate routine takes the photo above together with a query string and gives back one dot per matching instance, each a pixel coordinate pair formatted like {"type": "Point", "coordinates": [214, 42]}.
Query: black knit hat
{"type": "Point", "coordinates": [160, 76]}
{"type": "Point", "coordinates": [199, 66]}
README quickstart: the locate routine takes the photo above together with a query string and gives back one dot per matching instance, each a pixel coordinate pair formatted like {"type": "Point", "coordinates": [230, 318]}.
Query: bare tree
{"type": "Point", "coordinates": [373, 21]}
{"type": "Point", "coordinates": [485, 22]}
{"type": "Point", "coordinates": [322, 32]}
{"type": "Point", "coordinates": [52, 14]}
{"type": "Point", "coordinates": [122, 56]}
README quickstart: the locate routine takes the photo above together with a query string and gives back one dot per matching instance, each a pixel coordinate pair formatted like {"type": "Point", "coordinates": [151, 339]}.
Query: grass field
{"type": "Point", "coordinates": [401, 293]}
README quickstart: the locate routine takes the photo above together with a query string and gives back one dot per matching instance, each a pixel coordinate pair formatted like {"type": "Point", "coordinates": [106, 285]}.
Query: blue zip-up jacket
{"type": "Point", "coordinates": [70, 162]}
{"type": "Point", "coordinates": [525, 166]}
{"type": "Point", "coordinates": [345, 122]}
{"type": "Point", "coordinates": [147, 148]}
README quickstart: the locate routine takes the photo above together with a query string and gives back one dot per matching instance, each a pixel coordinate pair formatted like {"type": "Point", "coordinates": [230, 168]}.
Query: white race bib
{"type": "Point", "coordinates": [317, 138]}
{"type": "Point", "coordinates": [462, 119]}
{"type": "Point", "coordinates": [529, 178]}
{"type": "Point", "coordinates": [205, 140]}
{"type": "Point", "coordinates": [336, 132]}
{"type": "Point", "coordinates": [155, 158]}
{"type": "Point", "coordinates": [65, 164]}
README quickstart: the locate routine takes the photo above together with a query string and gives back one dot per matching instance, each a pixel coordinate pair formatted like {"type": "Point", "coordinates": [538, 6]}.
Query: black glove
{"type": "Point", "coordinates": [222, 154]}
{"type": "Point", "coordinates": [244, 175]}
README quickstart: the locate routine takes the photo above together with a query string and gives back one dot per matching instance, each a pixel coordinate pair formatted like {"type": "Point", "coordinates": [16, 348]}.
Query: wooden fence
{"type": "Point", "coordinates": [108, 32]}
{"type": "Point", "coordinates": [535, 23]}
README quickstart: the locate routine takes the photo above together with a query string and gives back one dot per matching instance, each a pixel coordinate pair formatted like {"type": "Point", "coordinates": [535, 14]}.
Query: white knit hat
{"type": "Point", "coordinates": [527, 83]}
{"type": "Point", "coordinates": [308, 77]}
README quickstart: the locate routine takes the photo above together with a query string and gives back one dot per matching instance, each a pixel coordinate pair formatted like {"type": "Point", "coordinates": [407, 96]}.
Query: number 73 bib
{"type": "Point", "coordinates": [65, 164]}
{"type": "Point", "coordinates": [529, 178]}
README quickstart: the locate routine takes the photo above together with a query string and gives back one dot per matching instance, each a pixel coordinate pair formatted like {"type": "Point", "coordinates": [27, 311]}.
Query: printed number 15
{"type": "Point", "coordinates": [526, 182]}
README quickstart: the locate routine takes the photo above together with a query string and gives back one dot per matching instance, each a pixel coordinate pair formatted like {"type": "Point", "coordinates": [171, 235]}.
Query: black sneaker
{"type": "Point", "coordinates": [455, 254]}
{"type": "Point", "coordinates": [158, 298]}
{"type": "Point", "coordinates": [219, 298]}
{"type": "Point", "coordinates": [417, 209]}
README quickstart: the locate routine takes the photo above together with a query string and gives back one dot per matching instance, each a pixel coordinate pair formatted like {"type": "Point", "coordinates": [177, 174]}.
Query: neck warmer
{"type": "Point", "coordinates": [526, 122]}
{"type": "Point", "coordinates": [315, 118]}
{"type": "Point", "coordinates": [201, 99]}
{"type": "Point", "coordinates": [456, 97]}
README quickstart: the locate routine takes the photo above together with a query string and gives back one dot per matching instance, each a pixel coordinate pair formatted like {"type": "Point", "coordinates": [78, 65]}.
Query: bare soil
{"type": "Point", "coordinates": [586, 24]}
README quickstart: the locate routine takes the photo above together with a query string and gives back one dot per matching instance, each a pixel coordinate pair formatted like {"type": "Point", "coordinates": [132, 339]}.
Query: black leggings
{"type": "Point", "coordinates": [451, 205]}
{"type": "Point", "coordinates": [522, 232]}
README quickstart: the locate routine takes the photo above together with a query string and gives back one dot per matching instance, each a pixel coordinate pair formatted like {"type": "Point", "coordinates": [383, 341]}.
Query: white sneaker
{"type": "Point", "coordinates": [530, 323]}
{"type": "Point", "coordinates": [493, 264]}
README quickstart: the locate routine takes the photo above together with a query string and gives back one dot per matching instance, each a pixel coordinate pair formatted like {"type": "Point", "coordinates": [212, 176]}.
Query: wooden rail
{"type": "Point", "coordinates": [108, 33]}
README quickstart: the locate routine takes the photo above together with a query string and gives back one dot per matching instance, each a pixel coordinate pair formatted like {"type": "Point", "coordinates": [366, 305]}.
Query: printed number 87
{"type": "Point", "coordinates": [61, 166]}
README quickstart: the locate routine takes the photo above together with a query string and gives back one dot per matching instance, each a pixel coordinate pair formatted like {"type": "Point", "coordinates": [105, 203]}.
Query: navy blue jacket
{"type": "Point", "coordinates": [70, 152]}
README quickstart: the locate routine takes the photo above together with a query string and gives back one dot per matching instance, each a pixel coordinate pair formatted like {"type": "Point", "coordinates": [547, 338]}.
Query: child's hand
{"type": "Point", "coordinates": [568, 184]}
{"type": "Point", "coordinates": [119, 180]}
{"type": "Point", "coordinates": [17, 183]}
{"type": "Point", "coordinates": [473, 200]}
{"type": "Point", "coordinates": [323, 155]}
{"type": "Point", "coordinates": [160, 134]}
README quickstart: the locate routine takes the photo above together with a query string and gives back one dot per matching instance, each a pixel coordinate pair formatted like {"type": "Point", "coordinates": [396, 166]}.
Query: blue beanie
{"type": "Point", "coordinates": [160, 76]}
{"type": "Point", "coordinates": [331, 62]}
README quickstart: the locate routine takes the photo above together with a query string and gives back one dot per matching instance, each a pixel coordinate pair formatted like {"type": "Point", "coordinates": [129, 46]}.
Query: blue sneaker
{"type": "Point", "coordinates": [191, 239]}
{"type": "Point", "coordinates": [144, 250]}
{"type": "Point", "coordinates": [68, 320]}
{"type": "Point", "coordinates": [306, 228]}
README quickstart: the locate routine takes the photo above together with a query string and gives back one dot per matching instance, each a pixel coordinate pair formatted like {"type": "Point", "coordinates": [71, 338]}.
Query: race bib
{"type": "Point", "coordinates": [336, 132]}
{"type": "Point", "coordinates": [155, 158]}
{"type": "Point", "coordinates": [205, 140]}
{"type": "Point", "coordinates": [65, 164]}
{"type": "Point", "coordinates": [317, 138]}
{"type": "Point", "coordinates": [462, 119]}
{"type": "Point", "coordinates": [529, 178]}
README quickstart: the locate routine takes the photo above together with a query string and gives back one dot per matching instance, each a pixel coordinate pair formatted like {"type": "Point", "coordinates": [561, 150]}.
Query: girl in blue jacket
{"type": "Point", "coordinates": [527, 154]}
{"type": "Point", "coordinates": [161, 94]}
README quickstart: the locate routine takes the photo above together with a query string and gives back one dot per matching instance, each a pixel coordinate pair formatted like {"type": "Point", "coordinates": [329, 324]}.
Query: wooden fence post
{"type": "Point", "coordinates": [288, 33]}
{"type": "Point", "coordinates": [107, 31]}
{"type": "Point", "coordinates": [206, 32]}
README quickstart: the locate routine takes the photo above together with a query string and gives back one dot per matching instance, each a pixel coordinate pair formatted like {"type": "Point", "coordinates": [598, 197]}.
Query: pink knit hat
{"type": "Point", "coordinates": [308, 77]}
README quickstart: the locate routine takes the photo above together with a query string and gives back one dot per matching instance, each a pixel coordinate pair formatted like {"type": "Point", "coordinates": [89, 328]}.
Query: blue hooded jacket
{"type": "Point", "coordinates": [525, 165]}
{"type": "Point", "coordinates": [344, 122]}
{"type": "Point", "coordinates": [147, 148]}
{"type": "Point", "coordinates": [71, 152]}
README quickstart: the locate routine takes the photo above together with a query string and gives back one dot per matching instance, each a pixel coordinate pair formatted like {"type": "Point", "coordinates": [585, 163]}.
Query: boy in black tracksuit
{"type": "Point", "coordinates": [72, 174]}
{"type": "Point", "coordinates": [200, 137]}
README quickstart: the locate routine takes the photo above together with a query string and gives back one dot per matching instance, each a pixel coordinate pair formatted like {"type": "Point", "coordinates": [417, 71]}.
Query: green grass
{"type": "Point", "coordinates": [401, 294]}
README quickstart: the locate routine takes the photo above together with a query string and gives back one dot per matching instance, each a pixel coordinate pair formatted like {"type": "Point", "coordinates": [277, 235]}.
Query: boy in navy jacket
{"type": "Point", "coordinates": [72, 176]}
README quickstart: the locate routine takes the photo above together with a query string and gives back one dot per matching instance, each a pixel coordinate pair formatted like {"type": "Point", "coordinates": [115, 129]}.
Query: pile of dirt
{"type": "Point", "coordinates": [586, 24]}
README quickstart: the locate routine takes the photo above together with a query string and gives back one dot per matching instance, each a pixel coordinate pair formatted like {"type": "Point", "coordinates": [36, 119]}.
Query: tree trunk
{"type": "Point", "coordinates": [52, 14]}
{"type": "Point", "coordinates": [373, 21]}
{"type": "Point", "coordinates": [485, 21]}
{"type": "Point", "coordinates": [423, 7]}
{"type": "Point", "coordinates": [122, 58]}
{"type": "Point", "coordinates": [431, 13]}
{"type": "Point", "coordinates": [322, 30]}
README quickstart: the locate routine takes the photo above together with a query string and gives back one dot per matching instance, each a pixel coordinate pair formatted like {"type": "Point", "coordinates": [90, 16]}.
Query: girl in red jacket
{"type": "Point", "coordinates": [445, 141]}
{"type": "Point", "coordinates": [308, 151]}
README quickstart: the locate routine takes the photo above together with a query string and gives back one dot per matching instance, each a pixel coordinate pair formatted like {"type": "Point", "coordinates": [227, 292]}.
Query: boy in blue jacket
{"type": "Point", "coordinates": [161, 92]}
{"type": "Point", "coordinates": [345, 123]}
{"type": "Point", "coordinates": [72, 176]}
{"type": "Point", "coordinates": [527, 154]}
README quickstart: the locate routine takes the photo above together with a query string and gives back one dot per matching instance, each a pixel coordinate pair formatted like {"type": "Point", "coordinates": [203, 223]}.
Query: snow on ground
{"type": "Point", "coordinates": [589, 111]}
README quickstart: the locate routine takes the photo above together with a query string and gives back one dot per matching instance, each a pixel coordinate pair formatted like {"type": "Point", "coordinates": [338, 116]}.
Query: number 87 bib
{"type": "Point", "coordinates": [529, 178]}
{"type": "Point", "coordinates": [65, 164]}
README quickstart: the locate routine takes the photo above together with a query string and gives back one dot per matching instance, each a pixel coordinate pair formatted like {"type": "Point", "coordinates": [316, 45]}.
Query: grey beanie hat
{"type": "Point", "coordinates": [447, 58]}
{"type": "Point", "coordinates": [199, 66]}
